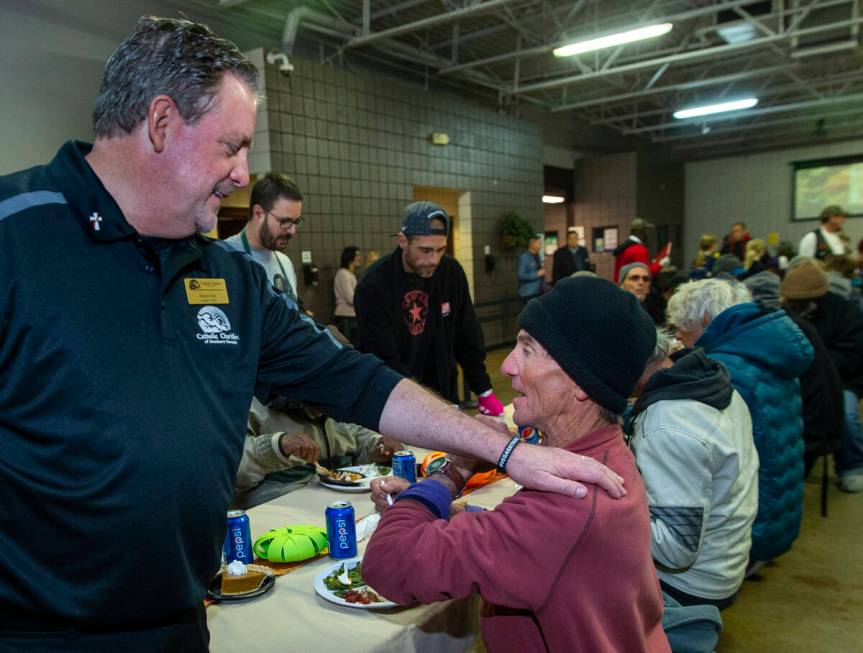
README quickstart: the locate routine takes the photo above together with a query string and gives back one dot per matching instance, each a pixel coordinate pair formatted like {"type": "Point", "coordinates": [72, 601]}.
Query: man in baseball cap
{"type": "Point", "coordinates": [414, 310]}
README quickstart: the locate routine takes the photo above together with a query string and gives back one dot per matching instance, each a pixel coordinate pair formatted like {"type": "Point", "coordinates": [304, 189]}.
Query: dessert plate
{"type": "Point", "coordinates": [214, 591]}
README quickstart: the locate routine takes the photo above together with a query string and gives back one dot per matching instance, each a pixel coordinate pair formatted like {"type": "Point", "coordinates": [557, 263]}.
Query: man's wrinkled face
{"type": "Point", "coordinates": [422, 254]}
{"type": "Point", "coordinates": [209, 159]}
{"type": "Point", "coordinates": [279, 223]}
{"type": "Point", "coordinates": [637, 282]}
{"type": "Point", "coordinates": [543, 389]}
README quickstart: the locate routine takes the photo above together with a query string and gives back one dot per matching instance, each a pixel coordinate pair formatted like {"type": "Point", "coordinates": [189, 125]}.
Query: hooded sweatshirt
{"type": "Point", "coordinates": [693, 445]}
{"type": "Point", "coordinates": [765, 353]}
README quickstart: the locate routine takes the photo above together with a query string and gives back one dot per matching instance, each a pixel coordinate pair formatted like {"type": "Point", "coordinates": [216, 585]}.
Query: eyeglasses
{"type": "Point", "coordinates": [286, 222]}
{"type": "Point", "coordinates": [637, 277]}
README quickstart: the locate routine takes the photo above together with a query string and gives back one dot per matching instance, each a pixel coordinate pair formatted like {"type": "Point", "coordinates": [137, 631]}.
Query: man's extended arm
{"type": "Point", "coordinates": [413, 415]}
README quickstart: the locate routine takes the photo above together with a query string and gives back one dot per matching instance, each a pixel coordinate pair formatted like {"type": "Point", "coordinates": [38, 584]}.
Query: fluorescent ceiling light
{"type": "Point", "coordinates": [553, 199]}
{"type": "Point", "coordinates": [707, 109]}
{"type": "Point", "coordinates": [612, 40]}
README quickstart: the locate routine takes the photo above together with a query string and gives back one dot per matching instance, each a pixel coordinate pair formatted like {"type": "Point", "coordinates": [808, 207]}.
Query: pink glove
{"type": "Point", "coordinates": [488, 404]}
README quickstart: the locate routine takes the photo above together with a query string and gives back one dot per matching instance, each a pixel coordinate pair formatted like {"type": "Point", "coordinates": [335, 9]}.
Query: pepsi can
{"type": "Point", "coordinates": [238, 540]}
{"type": "Point", "coordinates": [405, 466]}
{"type": "Point", "coordinates": [341, 530]}
{"type": "Point", "coordinates": [530, 435]}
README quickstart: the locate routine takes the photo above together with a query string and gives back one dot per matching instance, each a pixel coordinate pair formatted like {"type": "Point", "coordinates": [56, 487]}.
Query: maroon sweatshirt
{"type": "Point", "coordinates": [555, 573]}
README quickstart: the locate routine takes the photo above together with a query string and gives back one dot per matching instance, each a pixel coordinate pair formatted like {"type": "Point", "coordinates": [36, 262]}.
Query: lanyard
{"type": "Point", "coordinates": [248, 249]}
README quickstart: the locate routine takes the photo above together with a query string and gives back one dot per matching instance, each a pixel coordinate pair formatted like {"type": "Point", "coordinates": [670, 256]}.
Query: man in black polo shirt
{"type": "Point", "coordinates": [127, 365]}
{"type": "Point", "coordinates": [415, 313]}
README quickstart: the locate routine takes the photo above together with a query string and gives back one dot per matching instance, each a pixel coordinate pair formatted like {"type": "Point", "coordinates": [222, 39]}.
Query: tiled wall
{"type": "Point", "coordinates": [659, 199]}
{"type": "Point", "coordinates": [605, 196]}
{"type": "Point", "coordinates": [755, 189]}
{"type": "Point", "coordinates": [358, 143]}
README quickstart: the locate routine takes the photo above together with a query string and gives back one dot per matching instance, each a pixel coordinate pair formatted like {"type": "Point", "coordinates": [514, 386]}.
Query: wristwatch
{"type": "Point", "coordinates": [445, 467]}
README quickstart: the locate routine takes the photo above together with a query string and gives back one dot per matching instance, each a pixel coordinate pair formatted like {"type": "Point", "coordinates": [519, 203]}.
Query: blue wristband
{"type": "Point", "coordinates": [507, 452]}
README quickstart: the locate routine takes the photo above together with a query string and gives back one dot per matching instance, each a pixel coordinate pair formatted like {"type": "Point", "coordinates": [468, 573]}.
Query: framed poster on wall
{"type": "Point", "coordinates": [819, 183]}
{"type": "Point", "coordinates": [604, 239]}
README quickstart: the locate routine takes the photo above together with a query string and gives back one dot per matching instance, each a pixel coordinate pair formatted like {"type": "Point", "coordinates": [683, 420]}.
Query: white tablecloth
{"type": "Point", "coordinates": [292, 617]}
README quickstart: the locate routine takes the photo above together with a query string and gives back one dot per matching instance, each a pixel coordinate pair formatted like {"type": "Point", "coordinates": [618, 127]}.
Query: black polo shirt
{"type": "Point", "coordinates": [127, 369]}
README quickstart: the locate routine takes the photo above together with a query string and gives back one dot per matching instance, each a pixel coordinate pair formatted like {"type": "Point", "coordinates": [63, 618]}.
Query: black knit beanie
{"type": "Point", "coordinates": [597, 333]}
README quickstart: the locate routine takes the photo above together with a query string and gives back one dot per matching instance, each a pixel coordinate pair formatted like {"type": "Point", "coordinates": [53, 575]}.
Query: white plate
{"type": "Point", "coordinates": [370, 471]}
{"type": "Point", "coordinates": [327, 594]}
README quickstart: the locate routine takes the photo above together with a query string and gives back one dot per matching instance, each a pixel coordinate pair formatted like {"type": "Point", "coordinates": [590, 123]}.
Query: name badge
{"type": "Point", "coordinates": [206, 291]}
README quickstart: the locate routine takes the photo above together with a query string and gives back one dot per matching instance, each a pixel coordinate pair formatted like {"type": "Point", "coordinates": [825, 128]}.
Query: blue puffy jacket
{"type": "Point", "coordinates": [765, 353]}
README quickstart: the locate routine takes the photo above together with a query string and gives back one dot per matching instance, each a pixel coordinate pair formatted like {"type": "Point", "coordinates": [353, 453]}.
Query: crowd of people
{"type": "Point", "coordinates": [166, 376]}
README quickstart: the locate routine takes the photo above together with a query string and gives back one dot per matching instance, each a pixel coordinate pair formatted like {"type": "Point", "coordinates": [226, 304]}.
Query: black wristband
{"type": "Point", "coordinates": [507, 452]}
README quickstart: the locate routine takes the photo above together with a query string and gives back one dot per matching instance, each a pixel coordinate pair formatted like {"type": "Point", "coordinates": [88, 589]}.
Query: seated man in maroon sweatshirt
{"type": "Point", "coordinates": [554, 573]}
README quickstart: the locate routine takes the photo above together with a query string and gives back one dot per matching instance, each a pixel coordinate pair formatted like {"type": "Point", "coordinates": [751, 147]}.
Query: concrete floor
{"type": "Point", "coordinates": [808, 600]}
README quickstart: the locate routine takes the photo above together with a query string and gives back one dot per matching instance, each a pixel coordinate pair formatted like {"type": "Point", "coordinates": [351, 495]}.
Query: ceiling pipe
{"type": "Point", "coordinates": [737, 115]}
{"type": "Point", "coordinates": [692, 55]}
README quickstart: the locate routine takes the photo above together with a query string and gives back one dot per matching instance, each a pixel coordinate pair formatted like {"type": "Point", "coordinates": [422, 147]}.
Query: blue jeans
{"type": "Point", "coordinates": [849, 458]}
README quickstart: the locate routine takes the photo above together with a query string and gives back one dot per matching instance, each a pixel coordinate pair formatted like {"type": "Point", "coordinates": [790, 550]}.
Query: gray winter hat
{"type": "Point", "coordinates": [764, 287]}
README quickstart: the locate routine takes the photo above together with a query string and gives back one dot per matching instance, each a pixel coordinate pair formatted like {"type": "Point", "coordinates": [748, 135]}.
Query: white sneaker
{"type": "Point", "coordinates": [851, 483]}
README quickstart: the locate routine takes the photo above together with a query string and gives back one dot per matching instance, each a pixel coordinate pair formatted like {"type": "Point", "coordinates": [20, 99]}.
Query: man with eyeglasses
{"type": "Point", "coordinates": [275, 214]}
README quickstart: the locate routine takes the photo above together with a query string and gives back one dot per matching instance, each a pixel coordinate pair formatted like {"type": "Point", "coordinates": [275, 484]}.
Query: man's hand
{"type": "Point", "coordinates": [388, 486]}
{"type": "Point", "coordinates": [540, 273]}
{"type": "Point", "coordinates": [544, 468]}
{"type": "Point", "coordinates": [488, 404]}
{"type": "Point", "coordinates": [299, 445]}
{"type": "Point", "coordinates": [385, 449]}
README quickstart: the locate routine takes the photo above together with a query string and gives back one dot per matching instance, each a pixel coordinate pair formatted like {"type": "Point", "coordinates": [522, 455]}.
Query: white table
{"type": "Point", "coordinates": [293, 617]}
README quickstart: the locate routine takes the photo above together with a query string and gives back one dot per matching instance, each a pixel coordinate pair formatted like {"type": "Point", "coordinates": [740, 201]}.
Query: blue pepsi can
{"type": "Point", "coordinates": [341, 530]}
{"type": "Point", "coordinates": [405, 465]}
{"type": "Point", "coordinates": [530, 435]}
{"type": "Point", "coordinates": [238, 540]}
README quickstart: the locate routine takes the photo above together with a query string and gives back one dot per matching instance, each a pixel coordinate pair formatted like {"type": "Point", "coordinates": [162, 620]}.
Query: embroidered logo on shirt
{"type": "Point", "coordinates": [445, 309]}
{"type": "Point", "coordinates": [96, 221]}
{"type": "Point", "coordinates": [216, 327]}
{"type": "Point", "coordinates": [415, 310]}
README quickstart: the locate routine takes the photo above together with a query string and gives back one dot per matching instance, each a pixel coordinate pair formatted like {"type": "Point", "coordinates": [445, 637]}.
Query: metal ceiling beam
{"type": "Point", "coordinates": [692, 55]}
{"type": "Point", "coordinates": [800, 85]}
{"type": "Point", "coordinates": [737, 115]}
{"type": "Point", "coordinates": [684, 86]}
{"type": "Point", "coordinates": [736, 129]}
{"type": "Point", "coordinates": [683, 15]}
{"type": "Point", "coordinates": [431, 21]}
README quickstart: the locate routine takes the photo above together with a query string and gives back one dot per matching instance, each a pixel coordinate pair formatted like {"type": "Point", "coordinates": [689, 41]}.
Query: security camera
{"type": "Point", "coordinates": [280, 59]}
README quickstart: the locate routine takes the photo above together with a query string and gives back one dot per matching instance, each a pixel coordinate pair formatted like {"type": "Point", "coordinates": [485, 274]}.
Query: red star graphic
{"type": "Point", "coordinates": [415, 313]}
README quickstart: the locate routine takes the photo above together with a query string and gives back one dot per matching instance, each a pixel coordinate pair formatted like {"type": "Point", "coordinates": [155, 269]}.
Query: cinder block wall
{"type": "Point", "coordinates": [357, 143]}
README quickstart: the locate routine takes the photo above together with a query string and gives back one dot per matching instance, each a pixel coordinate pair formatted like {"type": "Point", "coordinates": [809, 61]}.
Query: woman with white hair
{"type": "Point", "coordinates": [764, 352]}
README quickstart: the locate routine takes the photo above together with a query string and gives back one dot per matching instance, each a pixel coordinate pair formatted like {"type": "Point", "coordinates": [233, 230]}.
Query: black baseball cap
{"type": "Point", "coordinates": [419, 216]}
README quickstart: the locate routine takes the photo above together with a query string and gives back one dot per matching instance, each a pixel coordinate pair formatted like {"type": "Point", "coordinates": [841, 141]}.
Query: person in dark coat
{"type": "Point", "coordinates": [735, 241]}
{"type": "Point", "coordinates": [805, 291]}
{"type": "Point", "coordinates": [765, 353]}
{"type": "Point", "coordinates": [415, 313]}
{"type": "Point", "coordinates": [820, 385]}
{"type": "Point", "coordinates": [569, 259]}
